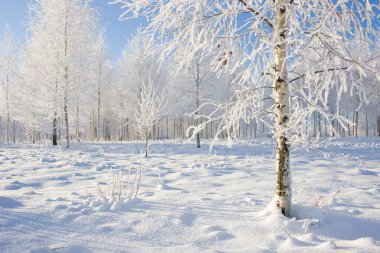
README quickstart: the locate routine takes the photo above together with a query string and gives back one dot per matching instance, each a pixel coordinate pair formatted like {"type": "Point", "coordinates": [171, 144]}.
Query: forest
{"type": "Point", "coordinates": [221, 126]}
{"type": "Point", "coordinates": [61, 86]}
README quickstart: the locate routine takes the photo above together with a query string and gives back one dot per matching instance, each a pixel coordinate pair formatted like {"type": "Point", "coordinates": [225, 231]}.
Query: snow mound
{"type": "Point", "coordinates": [6, 202]}
{"type": "Point", "coordinates": [103, 205]}
{"type": "Point", "coordinates": [62, 249]}
{"type": "Point", "coordinates": [101, 167]}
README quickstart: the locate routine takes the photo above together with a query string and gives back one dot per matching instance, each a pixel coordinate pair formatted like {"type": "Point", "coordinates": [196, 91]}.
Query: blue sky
{"type": "Point", "coordinates": [14, 13]}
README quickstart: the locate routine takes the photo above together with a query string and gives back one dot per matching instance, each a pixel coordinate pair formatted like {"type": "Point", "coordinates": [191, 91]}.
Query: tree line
{"type": "Point", "coordinates": [60, 86]}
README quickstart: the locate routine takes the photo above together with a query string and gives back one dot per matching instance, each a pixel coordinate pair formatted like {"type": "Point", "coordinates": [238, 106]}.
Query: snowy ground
{"type": "Point", "coordinates": [207, 203]}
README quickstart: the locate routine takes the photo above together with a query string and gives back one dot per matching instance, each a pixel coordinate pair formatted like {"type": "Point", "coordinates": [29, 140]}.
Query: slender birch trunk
{"type": "Point", "coordinates": [33, 125]}
{"type": "Point", "coordinates": [14, 131]}
{"type": "Point", "coordinates": [66, 115]}
{"type": "Point", "coordinates": [281, 93]}
{"type": "Point", "coordinates": [348, 124]}
{"type": "Point", "coordinates": [66, 91]}
{"type": "Point", "coordinates": [146, 143]}
{"type": "Point", "coordinates": [197, 106]}
{"type": "Point", "coordinates": [54, 137]}
{"type": "Point", "coordinates": [174, 126]}
{"type": "Point", "coordinates": [99, 96]}
{"type": "Point", "coordinates": [356, 116]}
{"type": "Point", "coordinates": [366, 124]}
{"type": "Point", "coordinates": [197, 80]}
{"type": "Point", "coordinates": [127, 129]}
{"type": "Point", "coordinates": [8, 109]}
{"type": "Point", "coordinates": [77, 132]}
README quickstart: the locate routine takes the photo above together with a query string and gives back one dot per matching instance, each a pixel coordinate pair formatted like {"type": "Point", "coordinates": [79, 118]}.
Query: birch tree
{"type": "Point", "coordinates": [8, 64]}
{"type": "Point", "coordinates": [137, 65]}
{"type": "Point", "coordinates": [293, 53]}
{"type": "Point", "coordinates": [132, 67]}
{"type": "Point", "coordinates": [102, 74]}
{"type": "Point", "coordinates": [149, 111]}
{"type": "Point", "coordinates": [199, 73]}
{"type": "Point", "coordinates": [61, 35]}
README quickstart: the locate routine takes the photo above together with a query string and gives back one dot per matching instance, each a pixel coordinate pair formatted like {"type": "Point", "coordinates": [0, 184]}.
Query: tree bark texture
{"type": "Point", "coordinates": [281, 93]}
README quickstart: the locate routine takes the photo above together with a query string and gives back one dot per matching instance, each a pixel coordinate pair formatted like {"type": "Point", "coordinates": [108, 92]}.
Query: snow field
{"type": "Point", "coordinates": [190, 201]}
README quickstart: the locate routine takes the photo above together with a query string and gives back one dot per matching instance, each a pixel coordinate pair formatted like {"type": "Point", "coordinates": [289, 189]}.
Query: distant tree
{"type": "Point", "coordinates": [103, 73]}
{"type": "Point", "coordinates": [8, 67]}
{"type": "Point", "coordinates": [61, 37]}
{"type": "Point", "coordinates": [149, 111]}
{"type": "Point", "coordinates": [137, 65]}
{"type": "Point", "coordinates": [199, 71]}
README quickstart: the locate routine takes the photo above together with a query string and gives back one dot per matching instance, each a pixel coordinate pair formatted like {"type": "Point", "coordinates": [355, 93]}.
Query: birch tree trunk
{"type": "Point", "coordinates": [8, 110]}
{"type": "Point", "coordinates": [99, 93]}
{"type": "Point", "coordinates": [197, 106]}
{"type": "Point", "coordinates": [14, 131]}
{"type": "Point", "coordinates": [174, 126]}
{"type": "Point", "coordinates": [348, 124]}
{"type": "Point", "coordinates": [146, 143]}
{"type": "Point", "coordinates": [66, 91]}
{"type": "Point", "coordinates": [66, 115]}
{"type": "Point", "coordinates": [281, 93]}
{"type": "Point", "coordinates": [54, 137]}
{"type": "Point", "coordinates": [77, 132]}
{"type": "Point", "coordinates": [366, 124]}
{"type": "Point", "coordinates": [33, 135]}
{"type": "Point", "coordinates": [33, 124]}
{"type": "Point", "coordinates": [356, 116]}
{"type": "Point", "coordinates": [127, 136]}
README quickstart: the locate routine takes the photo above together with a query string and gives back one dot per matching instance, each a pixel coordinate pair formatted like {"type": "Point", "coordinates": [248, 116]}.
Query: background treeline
{"type": "Point", "coordinates": [61, 86]}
